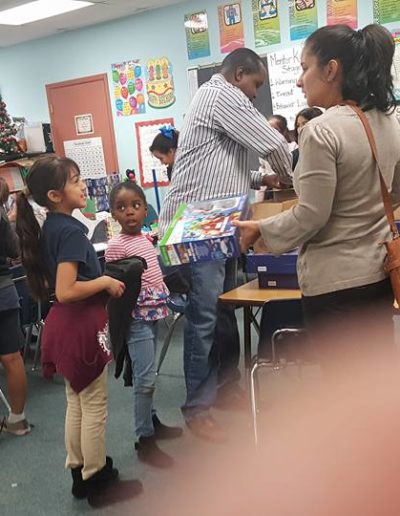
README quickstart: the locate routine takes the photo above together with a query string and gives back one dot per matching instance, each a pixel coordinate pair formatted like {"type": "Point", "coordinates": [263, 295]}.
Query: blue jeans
{"type": "Point", "coordinates": [142, 350]}
{"type": "Point", "coordinates": [206, 321]}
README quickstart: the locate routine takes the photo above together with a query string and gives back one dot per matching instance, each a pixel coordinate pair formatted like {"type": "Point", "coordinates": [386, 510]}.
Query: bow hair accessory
{"type": "Point", "coordinates": [167, 131]}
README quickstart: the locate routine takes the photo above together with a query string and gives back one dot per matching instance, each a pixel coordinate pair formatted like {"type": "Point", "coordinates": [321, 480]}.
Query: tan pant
{"type": "Point", "coordinates": [85, 422]}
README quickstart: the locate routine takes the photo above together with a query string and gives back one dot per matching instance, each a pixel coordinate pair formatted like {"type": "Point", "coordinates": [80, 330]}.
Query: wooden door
{"type": "Point", "coordinates": [76, 98]}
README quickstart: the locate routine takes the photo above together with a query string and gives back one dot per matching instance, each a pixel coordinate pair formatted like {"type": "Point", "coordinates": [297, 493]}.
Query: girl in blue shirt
{"type": "Point", "coordinates": [59, 258]}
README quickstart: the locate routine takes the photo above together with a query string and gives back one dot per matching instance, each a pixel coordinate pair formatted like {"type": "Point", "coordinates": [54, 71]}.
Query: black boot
{"type": "Point", "coordinates": [162, 431]}
{"type": "Point", "coordinates": [79, 486]}
{"type": "Point", "coordinates": [104, 477]}
{"type": "Point", "coordinates": [150, 453]}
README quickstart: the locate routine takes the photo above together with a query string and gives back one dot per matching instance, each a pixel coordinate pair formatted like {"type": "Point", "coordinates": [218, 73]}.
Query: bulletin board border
{"type": "Point", "coordinates": [149, 123]}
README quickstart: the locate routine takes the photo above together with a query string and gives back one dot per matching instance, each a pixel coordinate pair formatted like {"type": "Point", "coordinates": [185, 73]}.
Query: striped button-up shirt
{"type": "Point", "coordinates": [212, 161]}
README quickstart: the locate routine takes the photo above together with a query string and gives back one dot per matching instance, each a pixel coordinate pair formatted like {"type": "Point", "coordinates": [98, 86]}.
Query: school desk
{"type": "Point", "coordinates": [248, 296]}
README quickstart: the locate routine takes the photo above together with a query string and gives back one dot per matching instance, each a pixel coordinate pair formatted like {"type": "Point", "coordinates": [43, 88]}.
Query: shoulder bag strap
{"type": "Point", "coordinates": [387, 201]}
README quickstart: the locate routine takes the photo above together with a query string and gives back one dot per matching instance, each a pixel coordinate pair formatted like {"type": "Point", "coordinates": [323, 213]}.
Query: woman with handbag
{"type": "Point", "coordinates": [340, 221]}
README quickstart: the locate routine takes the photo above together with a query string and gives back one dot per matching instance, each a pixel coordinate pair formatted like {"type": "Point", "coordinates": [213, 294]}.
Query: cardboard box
{"type": "Point", "coordinates": [264, 210]}
{"type": "Point", "coordinates": [202, 231]}
{"type": "Point", "coordinates": [274, 271]}
{"type": "Point", "coordinates": [280, 195]}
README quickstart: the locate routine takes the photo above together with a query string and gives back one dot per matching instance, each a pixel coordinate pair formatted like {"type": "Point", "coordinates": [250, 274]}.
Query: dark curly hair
{"type": "Point", "coordinates": [125, 185]}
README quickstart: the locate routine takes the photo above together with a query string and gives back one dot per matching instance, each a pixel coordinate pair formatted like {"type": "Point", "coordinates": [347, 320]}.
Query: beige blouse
{"type": "Point", "coordinates": [339, 222]}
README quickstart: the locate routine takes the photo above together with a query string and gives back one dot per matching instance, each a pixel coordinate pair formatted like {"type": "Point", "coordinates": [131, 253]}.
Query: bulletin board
{"type": "Point", "coordinates": [145, 134]}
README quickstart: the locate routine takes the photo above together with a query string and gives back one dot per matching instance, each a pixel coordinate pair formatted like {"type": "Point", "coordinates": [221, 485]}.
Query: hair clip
{"type": "Point", "coordinates": [167, 131]}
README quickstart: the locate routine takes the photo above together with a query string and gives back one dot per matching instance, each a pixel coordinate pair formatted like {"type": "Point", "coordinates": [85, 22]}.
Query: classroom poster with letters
{"type": "Point", "coordinates": [145, 134]}
{"type": "Point", "coordinates": [283, 70]}
{"type": "Point", "coordinates": [342, 11]}
{"type": "Point", "coordinates": [303, 17]}
{"type": "Point", "coordinates": [386, 11]}
{"type": "Point", "coordinates": [128, 85]}
{"type": "Point", "coordinates": [197, 36]}
{"type": "Point", "coordinates": [396, 64]}
{"type": "Point", "coordinates": [88, 153]}
{"type": "Point", "coordinates": [231, 33]}
{"type": "Point", "coordinates": [266, 22]}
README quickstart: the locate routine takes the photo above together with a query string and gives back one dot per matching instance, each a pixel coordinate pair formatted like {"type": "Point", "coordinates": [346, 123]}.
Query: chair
{"type": "Point", "coordinates": [32, 317]}
{"type": "Point", "coordinates": [4, 400]}
{"type": "Point", "coordinates": [281, 323]}
{"type": "Point", "coordinates": [176, 303]}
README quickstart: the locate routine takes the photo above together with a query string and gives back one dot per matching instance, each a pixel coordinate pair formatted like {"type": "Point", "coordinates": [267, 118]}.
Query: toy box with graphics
{"type": "Point", "coordinates": [203, 230]}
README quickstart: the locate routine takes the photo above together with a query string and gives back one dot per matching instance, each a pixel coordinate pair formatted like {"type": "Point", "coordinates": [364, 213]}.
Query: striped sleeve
{"type": "Point", "coordinates": [256, 179]}
{"type": "Point", "coordinates": [236, 116]}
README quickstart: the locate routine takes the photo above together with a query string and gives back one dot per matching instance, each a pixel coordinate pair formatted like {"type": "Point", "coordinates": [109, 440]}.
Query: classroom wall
{"type": "Point", "coordinates": [25, 69]}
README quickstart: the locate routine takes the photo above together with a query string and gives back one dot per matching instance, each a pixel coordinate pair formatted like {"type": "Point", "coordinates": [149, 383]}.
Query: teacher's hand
{"type": "Point", "coordinates": [249, 232]}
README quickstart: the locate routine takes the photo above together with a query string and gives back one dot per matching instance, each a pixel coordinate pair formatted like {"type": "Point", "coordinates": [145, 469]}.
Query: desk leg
{"type": "Point", "coordinates": [247, 337]}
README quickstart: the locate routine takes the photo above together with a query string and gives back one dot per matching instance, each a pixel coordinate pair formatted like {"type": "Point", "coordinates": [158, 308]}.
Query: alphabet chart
{"type": "Point", "coordinates": [88, 153]}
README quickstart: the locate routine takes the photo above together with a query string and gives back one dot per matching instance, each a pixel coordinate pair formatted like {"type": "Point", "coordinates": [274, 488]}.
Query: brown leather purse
{"type": "Point", "coordinates": [392, 260]}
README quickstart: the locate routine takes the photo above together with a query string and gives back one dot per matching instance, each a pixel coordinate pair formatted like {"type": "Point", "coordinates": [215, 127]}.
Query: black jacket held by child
{"type": "Point", "coordinates": [129, 271]}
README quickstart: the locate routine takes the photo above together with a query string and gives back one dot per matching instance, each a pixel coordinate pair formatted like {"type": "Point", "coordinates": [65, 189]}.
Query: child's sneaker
{"type": "Point", "coordinates": [20, 428]}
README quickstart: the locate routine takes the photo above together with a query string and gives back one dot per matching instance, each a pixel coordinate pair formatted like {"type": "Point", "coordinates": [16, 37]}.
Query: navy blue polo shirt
{"type": "Point", "coordinates": [66, 241]}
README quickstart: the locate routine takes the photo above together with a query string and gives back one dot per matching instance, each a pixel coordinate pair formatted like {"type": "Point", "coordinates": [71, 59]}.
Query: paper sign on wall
{"type": "Point", "coordinates": [386, 11]}
{"type": "Point", "coordinates": [145, 134]}
{"type": "Point", "coordinates": [231, 32]}
{"type": "Point", "coordinates": [84, 124]}
{"type": "Point", "coordinates": [303, 18]}
{"type": "Point", "coordinates": [197, 37]}
{"type": "Point", "coordinates": [88, 153]}
{"type": "Point", "coordinates": [160, 83]}
{"type": "Point", "coordinates": [284, 69]}
{"type": "Point", "coordinates": [344, 11]}
{"type": "Point", "coordinates": [266, 22]}
{"type": "Point", "coordinates": [128, 88]}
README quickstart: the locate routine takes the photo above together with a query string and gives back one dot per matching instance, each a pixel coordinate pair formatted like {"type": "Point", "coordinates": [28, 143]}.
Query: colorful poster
{"type": "Point", "coordinates": [283, 71]}
{"type": "Point", "coordinates": [303, 18]}
{"type": "Point", "coordinates": [266, 22]}
{"type": "Point", "coordinates": [342, 11]}
{"type": "Point", "coordinates": [231, 33]}
{"type": "Point", "coordinates": [197, 37]}
{"type": "Point", "coordinates": [128, 88]}
{"type": "Point", "coordinates": [396, 64]}
{"type": "Point", "coordinates": [386, 11]}
{"type": "Point", "coordinates": [160, 83]}
{"type": "Point", "coordinates": [145, 134]}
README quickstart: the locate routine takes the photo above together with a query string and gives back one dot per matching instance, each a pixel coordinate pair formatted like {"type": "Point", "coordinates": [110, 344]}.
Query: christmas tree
{"type": "Point", "coordinates": [8, 142]}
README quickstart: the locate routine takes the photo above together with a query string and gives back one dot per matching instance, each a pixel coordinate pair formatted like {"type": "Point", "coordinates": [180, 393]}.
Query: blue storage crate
{"type": "Point", "coordinates": [274, 271]}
